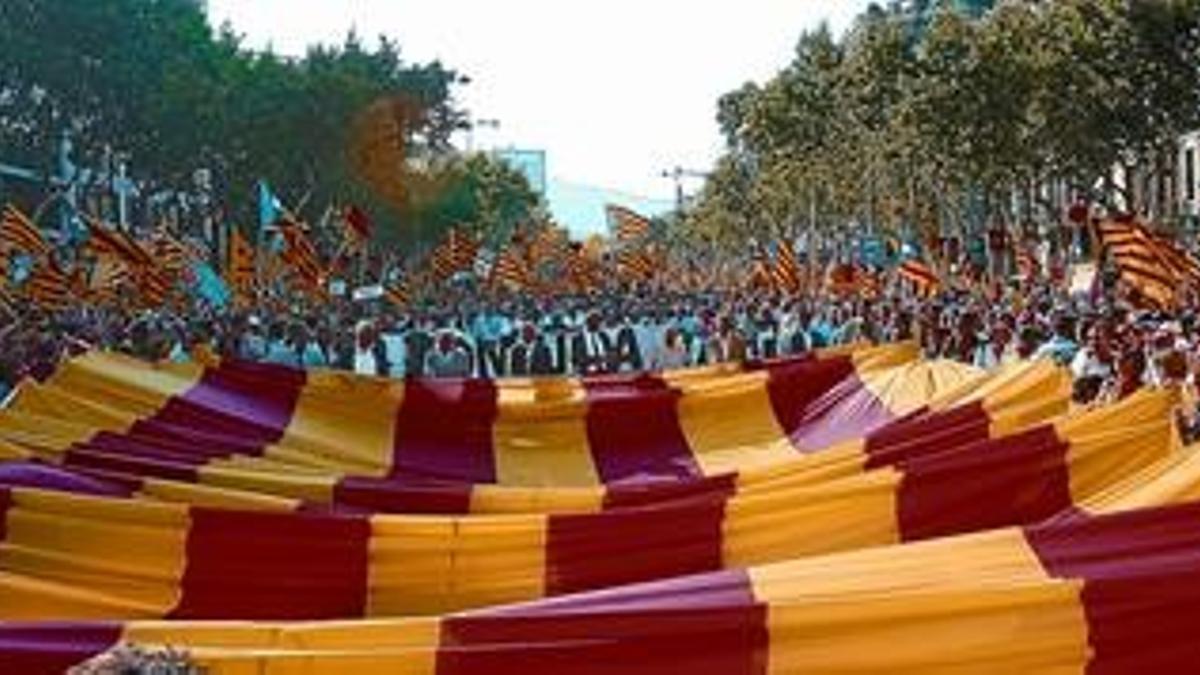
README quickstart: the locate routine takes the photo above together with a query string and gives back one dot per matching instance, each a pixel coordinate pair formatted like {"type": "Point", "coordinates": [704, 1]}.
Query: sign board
{"type": "Point", "coordinates": [365, 293]}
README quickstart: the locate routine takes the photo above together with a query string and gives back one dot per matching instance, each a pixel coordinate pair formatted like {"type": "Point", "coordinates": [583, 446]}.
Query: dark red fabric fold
{"type": "Point", "coordinates": [700, 625]}
{"type": "Point", "coordinates": [243, 565]}
{"type": "Point", "coordinates": [633, 430]}
{"type": "Point", "coordinates": [444, 431]}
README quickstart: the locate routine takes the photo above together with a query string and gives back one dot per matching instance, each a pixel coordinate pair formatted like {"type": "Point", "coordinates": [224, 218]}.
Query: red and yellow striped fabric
{"type": "Point", "coordinates": [48, 286]}
{"type": "Point", "coordinates": [511, 270]}
{"type": "Point", "coordinates": [457, 253]}
{"type": "Point", "coordinates": [241, 265]}
{"type": "Point", "coordinates": [626, 225]}
{"type": "Point", "coordinates": [447, 442]}
{"type": "Point", "coordinates": [1105, 593]}
{"type": "Point", "coordinates": [274, 520]}
{"type": "Point", "coordinates": [786, 270]}
{"type": "Point", "coordinates": [109, 277]}
{"type": "Point", "coordinates": [401, 565]}
{"type": "Point", "coordinates": [1152, 265]}
{"type": "Point", "coordinates": [301, 255]}
{"type": "Point", "coordinates": [924, 280]}
{"type": "Point", "coordinates": [356, 228]}
{"type": "Point", "coordinates": [18, 232]}
{"type": "Point", "coordinates": [583, 273]}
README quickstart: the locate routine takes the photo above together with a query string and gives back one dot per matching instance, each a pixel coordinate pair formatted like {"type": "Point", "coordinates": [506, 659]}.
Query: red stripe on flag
{"type": "Point", "coordinates": [381, 495]}
{"type": "Point", "coordinates": [848, 411]}
{"type": "Point", "coordinates": [633, 429]}
{"type": "Point", "coordinates": [51, 648]}
{"type": "Point", "coordinates": [599, 550]}
{"type": "Point", "coordinates": [237, 408]}
{"type": "Point", "coordinates": [999, 483]}
{"type": "Point", "coordinates": [444, 431]}
{"type": "Point", "coordinates": [85, 457]}
{"type": "Point", "coordinates": [629, 495]}
{"type": "Point", "coordinates": [702, 625]}
{"type": "Point", "coordinates": [823, 402]}
{"type": "Point", "coordinates": [1141, 590]}
{"type": "Point", "coordinates": [251, 401]}
{"type": "Point", "coordinates": [927, 434]}
{"type": "Point", "coordinates": [243, 565]}
{"type": "Point", "coordinates": [794, 385]}
{"type": "Point", "coordinates": [5, 505]}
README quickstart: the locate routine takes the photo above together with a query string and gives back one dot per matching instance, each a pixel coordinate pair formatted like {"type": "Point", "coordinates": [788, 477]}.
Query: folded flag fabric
{"type": "Point", "coordinates": [778, 517]}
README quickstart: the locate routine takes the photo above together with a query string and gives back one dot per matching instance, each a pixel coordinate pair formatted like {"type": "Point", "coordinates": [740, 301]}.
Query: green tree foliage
{"type": "Point", "coordinates": [152, 79]}
{"type": "Point", "coordinates": [479, 192]}
{"type": "Point", "coordinates": [932, 113]}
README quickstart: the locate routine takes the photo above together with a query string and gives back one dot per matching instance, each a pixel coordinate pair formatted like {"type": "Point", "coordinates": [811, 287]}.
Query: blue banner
{"type": "Point", "coordinates": [210, 286]}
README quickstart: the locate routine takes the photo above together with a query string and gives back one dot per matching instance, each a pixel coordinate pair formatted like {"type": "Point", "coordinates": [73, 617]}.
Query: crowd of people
{"type": "Point", "coordinates": [1111, 348]}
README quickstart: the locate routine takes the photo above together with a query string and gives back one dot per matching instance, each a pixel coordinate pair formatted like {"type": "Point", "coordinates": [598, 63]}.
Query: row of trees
{"type": "Point", "coordinates": [153, 81]}
{"type": "Point", "coordinates": [925, 114]}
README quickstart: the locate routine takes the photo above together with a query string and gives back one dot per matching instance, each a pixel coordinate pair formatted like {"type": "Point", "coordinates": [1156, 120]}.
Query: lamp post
{"type": "Point", "coordinates": [677, 174]}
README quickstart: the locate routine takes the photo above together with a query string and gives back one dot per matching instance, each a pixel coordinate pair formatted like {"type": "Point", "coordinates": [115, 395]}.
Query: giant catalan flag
{"type": "Point", "coordinates": [859, 510]}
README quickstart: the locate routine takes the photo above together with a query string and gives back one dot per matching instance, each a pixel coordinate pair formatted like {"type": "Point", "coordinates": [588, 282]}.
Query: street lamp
{"type": "Point", "coordinates": [678, 174]}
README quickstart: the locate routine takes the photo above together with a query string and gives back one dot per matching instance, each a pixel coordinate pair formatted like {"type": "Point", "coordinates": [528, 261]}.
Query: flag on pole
{"type": "Point", "coordinates": [923, 279]}
{"type": "Point", "coordinates": [208, 285]}
{"type": "Point", "coordinates": [48, 286]}
{"type": "Point", "coordinates": [104, 241]}
{"type": "Point", "coordinates": [786, 271]}
{"type": "Point", "coordinates": [301, 256]}
{"type": "Point", "coordinates": [152, 280]}
{"type": "Point", "coordinates": [110, 277]}
{"type": "Point", "coordinates": [397, 293]}
{"type": "Point", "coordinates": [580, 267]}
{"type": "Point", "coordinates": [510, 269]}
{"type": "Point", "coordinates": [270, 208]}
{"type": "Point", "coordinates": [18, 232]}
{"type": "Point", "coordinates": [240, 266]}
{"type": "Point", "coordinates": [635, 265]}
{"type": "Point", "coordinates": [1149, 265]}
{"type": "Point", "coordinates": [626, 225]}
{"type": "Point", "coordinates": [456, 253]}
{"type": "Point", "coordinates": [172, 255]}
{"type": "Point", "coordinates": [761, 277]}
{"type": "Point", "coordinates": [356, 226]}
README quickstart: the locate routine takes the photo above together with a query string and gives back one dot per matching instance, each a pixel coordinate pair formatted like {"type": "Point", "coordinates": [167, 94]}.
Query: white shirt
{"type": "Point", "coordinates": [397, 353]}
{"type": "Point", "coordinates": [650, 340]}
{"type": "Point", "coordinates": [364, 362]}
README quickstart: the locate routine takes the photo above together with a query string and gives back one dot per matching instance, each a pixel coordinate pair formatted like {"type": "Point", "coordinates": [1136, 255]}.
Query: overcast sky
{"type": "Point", "coordinates": [614, 91]}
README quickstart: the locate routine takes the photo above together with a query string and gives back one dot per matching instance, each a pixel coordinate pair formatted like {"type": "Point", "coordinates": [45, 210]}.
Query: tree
{"type": "Point", "coordinates": [151, 78]}
{"type": "Point", "coordinates": [946, 114]}
{"type": "Point", "coordinates": [478, 192]}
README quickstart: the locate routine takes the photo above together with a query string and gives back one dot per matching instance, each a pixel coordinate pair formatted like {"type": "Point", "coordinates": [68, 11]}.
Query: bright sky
{"type": "Point", "coordinates": [614, 91]}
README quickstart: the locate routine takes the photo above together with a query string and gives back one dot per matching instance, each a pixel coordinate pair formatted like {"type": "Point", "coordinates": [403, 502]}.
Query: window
{"type": "Point", "coordinates": [1189, 174]}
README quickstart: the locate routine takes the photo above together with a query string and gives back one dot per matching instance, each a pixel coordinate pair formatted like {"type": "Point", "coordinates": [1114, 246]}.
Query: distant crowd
{"type": "Point", "coordinates": [1111, 348]}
